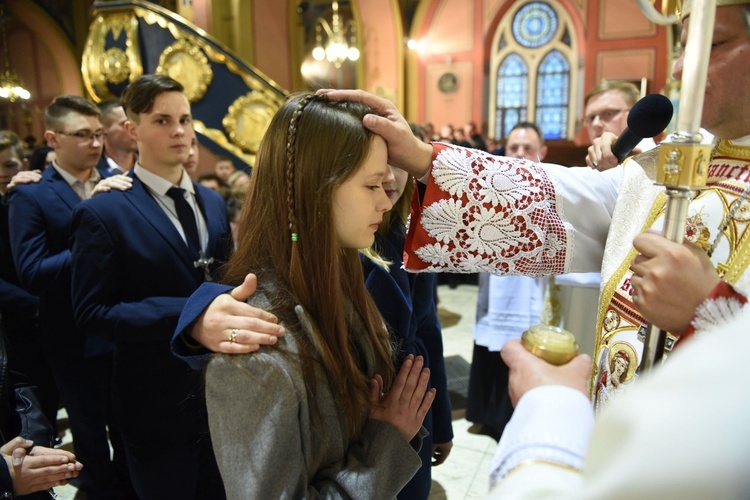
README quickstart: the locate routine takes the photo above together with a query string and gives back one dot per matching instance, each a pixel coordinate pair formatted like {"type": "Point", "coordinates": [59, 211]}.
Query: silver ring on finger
{"type": "Point", "coordinates": [233, 335]}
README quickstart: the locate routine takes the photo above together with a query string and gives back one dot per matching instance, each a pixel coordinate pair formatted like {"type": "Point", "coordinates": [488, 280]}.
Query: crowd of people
{"type": "Point", "coordinates": [216, 357]}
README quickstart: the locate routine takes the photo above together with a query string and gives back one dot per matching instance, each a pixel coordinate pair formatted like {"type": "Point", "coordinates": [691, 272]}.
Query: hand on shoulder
{"type": "Point", "coordinates": [25, 177]}
{"type": "Point", "coordinates": [232, 326]}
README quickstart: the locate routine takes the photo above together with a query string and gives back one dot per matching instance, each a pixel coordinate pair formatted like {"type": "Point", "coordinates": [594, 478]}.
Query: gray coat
{"type": "Point", "coordinates": [262, 427]}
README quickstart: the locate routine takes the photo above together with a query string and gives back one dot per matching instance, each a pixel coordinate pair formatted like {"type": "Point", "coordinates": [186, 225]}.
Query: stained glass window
{"type": "Point", "coordinates": [534, 24]}
{"type": "Point", "coordinates": [512, 94]}
{"type": "Point", "coordinates": [552, 95]}
{"type": "Point", "coordinates": [533, 80]}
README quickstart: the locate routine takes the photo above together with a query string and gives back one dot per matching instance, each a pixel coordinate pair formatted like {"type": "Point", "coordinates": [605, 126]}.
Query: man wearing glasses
{"type": "Point", "coordinates": [39, 222]}
{"type": "Point", "coordinates": [606, 108]}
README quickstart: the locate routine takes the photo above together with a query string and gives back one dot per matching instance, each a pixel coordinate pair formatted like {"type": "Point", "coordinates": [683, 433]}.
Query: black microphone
{"type": "Point", "coordinates": [649, 117]}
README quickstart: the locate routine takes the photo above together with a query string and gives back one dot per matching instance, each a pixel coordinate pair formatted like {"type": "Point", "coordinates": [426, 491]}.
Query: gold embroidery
{"type": "Point", "coordinates": [696, 231]}
{"type": "Point", "coordinates": [609, 291]}
{"type": "Point", "coordinates": [616, 314]}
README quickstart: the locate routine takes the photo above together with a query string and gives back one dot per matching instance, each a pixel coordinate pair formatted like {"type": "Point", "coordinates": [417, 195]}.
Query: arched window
{"type": "Point", "coordinates": [552, 95]}
{"type": "Point", "coordinates": [533, 78]}
{"type": "Point", "coordinates": [512, 94]}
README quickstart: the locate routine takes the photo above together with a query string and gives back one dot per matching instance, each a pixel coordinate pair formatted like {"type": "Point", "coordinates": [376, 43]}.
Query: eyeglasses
{"type": "Point", "coordinates": [83, 136]}
{"type": "Point", "coordinates": [605, 116]}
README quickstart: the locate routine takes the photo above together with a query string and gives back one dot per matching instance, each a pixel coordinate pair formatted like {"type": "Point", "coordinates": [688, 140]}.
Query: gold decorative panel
{"type": "Point", "coordinates": [187, 63]}
{"type": "Point", "coordinates": [233, 102]}
{"type": "Point", "coordinates": [102, 65]}
{"type": "Point", "coordinates": [248, 119]}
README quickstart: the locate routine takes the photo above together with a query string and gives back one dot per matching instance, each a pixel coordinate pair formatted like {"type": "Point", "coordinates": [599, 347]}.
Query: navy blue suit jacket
{"type": "Point", "coordinates": [132, 271]}
{"type": "Point", "coordinates": [12, 296]}
{"type": "Point", "coordinates": [103, 165]}
{"type": "Point", "coordinates": [131, 275]}
{"type": "Point", "coordinates": [39, 225]}
{"type": "Point", "coordinates": [195, 356]}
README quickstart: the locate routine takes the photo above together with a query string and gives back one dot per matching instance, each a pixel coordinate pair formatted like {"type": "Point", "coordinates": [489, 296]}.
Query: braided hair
{"type": "Point", "coordinates": [312, 146]}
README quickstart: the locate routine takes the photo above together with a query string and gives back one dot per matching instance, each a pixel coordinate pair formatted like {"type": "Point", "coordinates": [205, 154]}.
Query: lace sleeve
{"type": "Point", "coordinates": [723, 304]}
{"type": "Point", "coordinates": [486, 213]}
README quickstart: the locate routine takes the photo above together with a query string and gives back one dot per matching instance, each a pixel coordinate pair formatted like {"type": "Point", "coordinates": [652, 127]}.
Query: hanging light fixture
{"type": "Point", "coordinates": [11, 84]}
{"type": "Point", "coordinates": [341, 43]}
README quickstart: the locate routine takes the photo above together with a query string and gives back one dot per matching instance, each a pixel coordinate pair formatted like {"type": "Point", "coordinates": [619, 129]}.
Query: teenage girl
{"type": "Point", "coordinates": [321, 413]}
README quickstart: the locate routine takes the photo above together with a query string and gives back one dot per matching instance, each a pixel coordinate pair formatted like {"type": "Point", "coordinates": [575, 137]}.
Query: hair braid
{"type": "Point", "coordinates": [291, 150]}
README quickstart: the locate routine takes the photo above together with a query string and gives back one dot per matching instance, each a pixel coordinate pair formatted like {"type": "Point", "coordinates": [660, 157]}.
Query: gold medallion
{"type": "Point", "coordinates": [114, 65]}
{"type": "Point", "coordinates": [186, 63]}
{"type": "Point", "coordinates": [247, 120]}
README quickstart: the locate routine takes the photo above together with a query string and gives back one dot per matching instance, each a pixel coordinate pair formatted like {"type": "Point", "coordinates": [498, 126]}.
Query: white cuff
{"type": "Point", "coordinates": [551, 423]}
{"type": "Point", "coordinates": [426, 177]}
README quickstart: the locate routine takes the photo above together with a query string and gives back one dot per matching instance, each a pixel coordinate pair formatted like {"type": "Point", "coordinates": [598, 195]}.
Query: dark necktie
{"type": "Point", "coordinates": [187, 218]}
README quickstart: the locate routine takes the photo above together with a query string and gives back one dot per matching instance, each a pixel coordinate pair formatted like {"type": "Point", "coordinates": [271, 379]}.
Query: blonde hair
{"type": "Point", "coordinates": [9, 140]}
{"type": "Point", "coordinates": [629, 92]}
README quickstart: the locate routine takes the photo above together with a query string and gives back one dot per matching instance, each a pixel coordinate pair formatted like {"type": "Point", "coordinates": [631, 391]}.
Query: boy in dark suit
{"type": "Point", "coordinates": [19, 310]}
{"type": "Point", "coordinates": [39, 222]}
{"type": "Point", "coordinates": [137, 256]}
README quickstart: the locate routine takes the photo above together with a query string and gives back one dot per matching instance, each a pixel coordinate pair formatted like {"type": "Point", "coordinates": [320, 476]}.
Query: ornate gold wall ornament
{"type": "Point", "coordinates": [187, 63]}
{"type": "Point", "coordinates": [219, 138]}
{"type": "Point", "coordinates": [247, 119]}
{"type": "Point", "coordinates": [249, 116]}
{"type": "Point", "coordinates": [114, 65]}
{"type": "Point", "coordinates": [258, 81]}
{"type": "Point", "coordinates": [152, 17]}
{"type": "Point", "coordinates": [99, 65]}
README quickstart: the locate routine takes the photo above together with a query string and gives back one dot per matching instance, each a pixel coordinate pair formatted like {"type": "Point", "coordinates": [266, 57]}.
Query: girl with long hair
{"type": "Point", "coordinates": [308, 416]}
